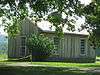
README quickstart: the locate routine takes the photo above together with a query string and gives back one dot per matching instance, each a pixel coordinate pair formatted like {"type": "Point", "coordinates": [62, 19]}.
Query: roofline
{"type": "Point", "coordinates": [65, 33]}
{"type": "Point", "coordinates": [53, 32]}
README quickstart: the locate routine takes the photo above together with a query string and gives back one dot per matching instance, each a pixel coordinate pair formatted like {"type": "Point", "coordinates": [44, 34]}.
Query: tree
{"type": "Point", "coordinates": [13, 11]}
{"type": "Point", "coordinates": [40, 46]}
{"type": "Point", "coordinates": [92, 15]}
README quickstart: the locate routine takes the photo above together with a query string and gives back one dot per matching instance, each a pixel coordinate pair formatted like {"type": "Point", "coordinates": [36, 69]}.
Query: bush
{"type": "Point", "coordinates": [40, 46]}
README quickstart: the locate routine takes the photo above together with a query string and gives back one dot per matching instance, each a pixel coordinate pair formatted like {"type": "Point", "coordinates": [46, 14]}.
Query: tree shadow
{"type": "Point", "coordinates": [40, 70]}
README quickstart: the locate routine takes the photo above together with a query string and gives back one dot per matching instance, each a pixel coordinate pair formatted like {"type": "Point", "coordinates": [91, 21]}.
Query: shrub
{"type": "Point", "coordinates": [40, 46]}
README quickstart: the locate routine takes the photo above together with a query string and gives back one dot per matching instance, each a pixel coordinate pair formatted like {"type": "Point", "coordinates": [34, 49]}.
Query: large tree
{"type": "Point", "coordinates": [92, 24]}
{"type": "Point", "coordinates": [13, 11]}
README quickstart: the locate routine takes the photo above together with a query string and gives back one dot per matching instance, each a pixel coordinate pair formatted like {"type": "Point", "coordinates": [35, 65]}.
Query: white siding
{"type": "Point", "coordinates": [69, 46]}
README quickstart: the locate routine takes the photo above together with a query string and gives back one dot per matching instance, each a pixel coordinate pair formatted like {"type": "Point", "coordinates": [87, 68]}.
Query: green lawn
{"type": "Point", "coordinates": [98, 57]}
{"type": "Point", "coordinates": [40, 71]}
{"type": "Point", "coordinates": [48, 68]}
{"type": "Point", "coordinates": [3, 56]}
{"type": "Point", "coordinates": [64, 64]}
{"type": "Point", "coordinates": [54, 64]}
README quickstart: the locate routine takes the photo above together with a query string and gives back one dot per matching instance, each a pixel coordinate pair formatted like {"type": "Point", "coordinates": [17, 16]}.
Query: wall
{"type": "Point", "coordinates": [69, 47]}
{"type": "Point", "coordinates": [14, 44]}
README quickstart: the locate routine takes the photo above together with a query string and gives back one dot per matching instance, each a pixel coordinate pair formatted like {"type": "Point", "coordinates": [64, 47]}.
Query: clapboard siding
{"type": "Point", "coordinates": [14, 44]}
{"type": "Point", "coordinates": [28, 28]}
{"type": "Point", "coordinates": [11, 47]}
{"type": "Point", "coordinates": [69, 46]}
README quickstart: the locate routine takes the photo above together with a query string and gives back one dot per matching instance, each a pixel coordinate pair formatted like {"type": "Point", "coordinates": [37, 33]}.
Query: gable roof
{"type": "Point", "coordinates": [47, 27]}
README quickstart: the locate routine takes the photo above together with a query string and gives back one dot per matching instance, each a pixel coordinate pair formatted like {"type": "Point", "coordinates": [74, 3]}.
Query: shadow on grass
{"type": "Point", "coordinates": [60, 64]}
{"type": "Point", "coordinates": [41, 71]}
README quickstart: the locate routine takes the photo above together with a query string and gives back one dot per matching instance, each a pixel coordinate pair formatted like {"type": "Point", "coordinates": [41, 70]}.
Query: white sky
{"type": "Point", "coordinates": [86, 2]}
{"type": "Point", "coordinates": [78, 22]}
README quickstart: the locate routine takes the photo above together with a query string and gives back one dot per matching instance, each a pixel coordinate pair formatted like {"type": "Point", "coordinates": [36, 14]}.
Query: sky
{"type": "Point", "coordinates": [86, 2]}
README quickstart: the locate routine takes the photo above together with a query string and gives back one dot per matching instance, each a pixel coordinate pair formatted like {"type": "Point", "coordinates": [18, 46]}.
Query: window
{"type": "Point", "coordinates": [56, 42]}
{"type": "Point", "coordinates": [23, 41]}
{"type": "Point", "coordinates": [82, 46]}
{"type": "Point", "coordinates": [23, 50]}
{"type": "Point", "coordinates": [23, 46]}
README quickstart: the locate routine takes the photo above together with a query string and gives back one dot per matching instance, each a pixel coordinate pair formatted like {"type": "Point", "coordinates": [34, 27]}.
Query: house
{"type": "Point", "coordinates": [97, 52]}
{"type": "Point", "coordinates": [73, 46]}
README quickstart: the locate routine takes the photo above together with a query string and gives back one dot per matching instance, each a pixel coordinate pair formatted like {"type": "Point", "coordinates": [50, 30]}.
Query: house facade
{"type": "Point", "coordinates": [72, 47]}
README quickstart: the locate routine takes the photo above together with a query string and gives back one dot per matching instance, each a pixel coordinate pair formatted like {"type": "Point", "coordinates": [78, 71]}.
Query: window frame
{"type": "Point", "coordinates": [82, 45]}
{"type": "Point", "coordinates": [56, 44]}
{"type": "Point", "coordinates": [23, 45]}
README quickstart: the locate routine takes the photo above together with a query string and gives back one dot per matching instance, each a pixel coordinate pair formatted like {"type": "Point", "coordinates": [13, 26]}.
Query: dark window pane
{"type": "Point", "coordinates": [22, 51]}
{"type": "Point", "coordinates": [56, 42]}
{"type": "Point", "coordinates": [23, 41]}
{"type": "Point", "coordinates": [82, 46]}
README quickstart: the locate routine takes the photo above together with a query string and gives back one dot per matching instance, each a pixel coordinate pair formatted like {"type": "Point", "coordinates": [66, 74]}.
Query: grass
{"type": "Point", "coordinates": [64, 64]}
{"type": "Point", "coordinates": [3, 57]}
{"type": "Point", "coordinates": [97, 57]}
{"type": "Point", "coordinates": [47, 68]}
{"type": "Point", "coordinates": [55, 64]}
{"type": "Point", "coordinates": [39, 71]}
{"type": "Point", "coordinates": [51, 69]}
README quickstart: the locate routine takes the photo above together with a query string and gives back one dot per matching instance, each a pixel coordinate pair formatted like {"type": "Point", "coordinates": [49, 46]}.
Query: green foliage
{"type": "Point", "coordinates": [92, 14]}
{"type": "Point", "coordinates": [38, 9]}
{"type": "Point", "coordinates": [13, 28]}
{"type": "Point", "coordinates": [3, 57]}
{"type": "Point", "coordinates": [40, 46]}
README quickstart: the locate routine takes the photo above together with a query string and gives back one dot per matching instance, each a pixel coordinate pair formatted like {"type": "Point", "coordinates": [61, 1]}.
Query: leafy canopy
{"type": "Point", "coordinates": [13, 11]}
{"type": "Point", "coordinates": [92, 14]}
